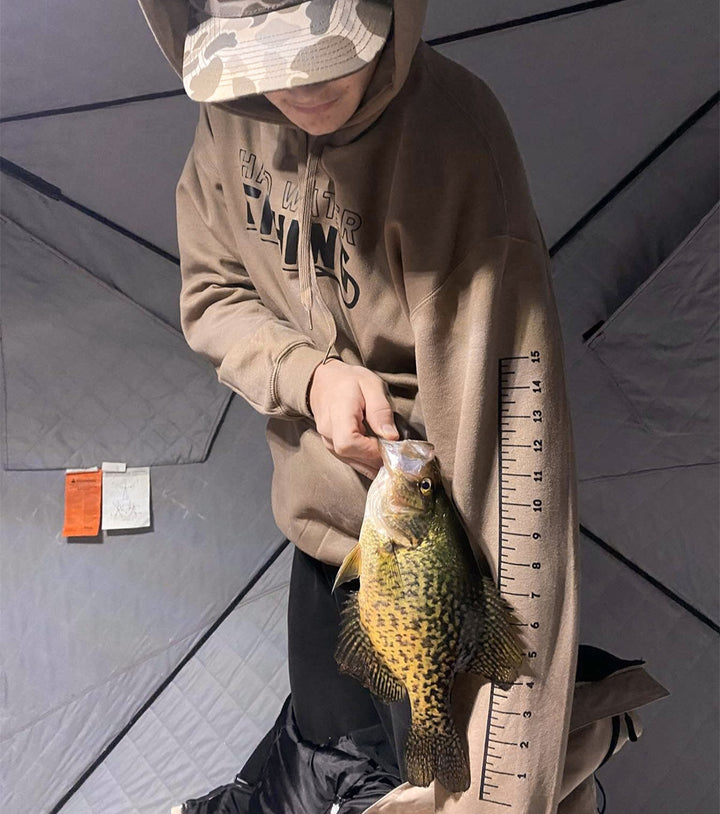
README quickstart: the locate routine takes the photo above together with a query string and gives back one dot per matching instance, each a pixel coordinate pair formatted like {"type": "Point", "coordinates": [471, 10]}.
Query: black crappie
{"type": "Point", "coordinates": [424, 611]}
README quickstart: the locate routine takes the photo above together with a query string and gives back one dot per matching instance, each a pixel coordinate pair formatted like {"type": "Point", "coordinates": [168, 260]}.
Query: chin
{"type": "Point", "coordinates": [319, 127]}
{"type": "Point", "coordinates": [312, 129]}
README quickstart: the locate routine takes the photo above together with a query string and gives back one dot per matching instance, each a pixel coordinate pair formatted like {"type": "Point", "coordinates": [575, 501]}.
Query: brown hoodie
{"type": "Point", "coordinates": [405, 242]}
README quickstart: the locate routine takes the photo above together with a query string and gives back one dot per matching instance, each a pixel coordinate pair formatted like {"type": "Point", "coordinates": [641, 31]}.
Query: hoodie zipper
{"type": "Point", "coordinates": [306, 265]}
{"type": "Point", "coordinates": [309, 293]}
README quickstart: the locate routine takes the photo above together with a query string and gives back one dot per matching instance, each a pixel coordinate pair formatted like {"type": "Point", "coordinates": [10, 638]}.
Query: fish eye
{"type": "Point", "coordinates": [426, 486]}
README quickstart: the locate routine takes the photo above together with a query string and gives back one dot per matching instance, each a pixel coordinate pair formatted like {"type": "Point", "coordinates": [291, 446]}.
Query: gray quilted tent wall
{"type": "Point", "coordinates": [141, 668]}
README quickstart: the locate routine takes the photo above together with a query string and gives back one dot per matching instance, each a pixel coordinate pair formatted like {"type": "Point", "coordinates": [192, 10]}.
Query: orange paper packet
{"type": "Point", "coordinates": [83, 495]}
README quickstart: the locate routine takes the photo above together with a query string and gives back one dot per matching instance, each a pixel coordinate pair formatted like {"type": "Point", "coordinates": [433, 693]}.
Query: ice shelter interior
{"type": "Point", "coordinates": [142, 668]}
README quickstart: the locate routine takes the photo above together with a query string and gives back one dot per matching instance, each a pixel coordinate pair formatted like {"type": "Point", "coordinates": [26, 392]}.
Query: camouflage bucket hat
{"type": "Point", "coordinates": [236, 48]}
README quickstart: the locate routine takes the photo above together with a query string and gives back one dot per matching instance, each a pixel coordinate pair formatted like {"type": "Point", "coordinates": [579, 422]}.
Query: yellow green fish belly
{"type": "Point", "coordinates": [413, 617]}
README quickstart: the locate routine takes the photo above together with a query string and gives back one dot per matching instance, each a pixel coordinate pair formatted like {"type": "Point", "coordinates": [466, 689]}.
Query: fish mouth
{"type": "Point", "coordinates": [396, 505]}
{"type": "Point", "coordinates": [387, 514]}
{"type": "Point", "coordinates": [407, 457]}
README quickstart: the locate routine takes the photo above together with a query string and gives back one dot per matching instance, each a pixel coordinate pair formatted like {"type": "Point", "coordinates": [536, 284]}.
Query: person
{"type": "Point", "coordinates": [358, 250]}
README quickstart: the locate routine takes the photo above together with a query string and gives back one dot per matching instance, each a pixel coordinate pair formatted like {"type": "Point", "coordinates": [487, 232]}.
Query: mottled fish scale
{"type": "Point", "coordinates": [418, 637]}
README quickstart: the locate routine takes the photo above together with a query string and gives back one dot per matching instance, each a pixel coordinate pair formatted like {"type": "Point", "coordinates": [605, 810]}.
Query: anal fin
{"type": "Point", "coordinates": [356, 656]}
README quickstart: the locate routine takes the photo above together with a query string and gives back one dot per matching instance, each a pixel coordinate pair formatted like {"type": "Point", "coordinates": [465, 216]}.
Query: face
{"type": "Point", "coordinates": [326, 106]}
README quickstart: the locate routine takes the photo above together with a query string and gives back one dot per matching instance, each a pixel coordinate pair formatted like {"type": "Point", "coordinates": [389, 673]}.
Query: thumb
{"type": "Point", "coordinates": [378, 412]}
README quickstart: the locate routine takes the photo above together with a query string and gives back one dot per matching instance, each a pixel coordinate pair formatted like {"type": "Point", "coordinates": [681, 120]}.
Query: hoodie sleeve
{"type": "Point", "coordinates": [255, 352]}
{"type": "Point", "coordinates": [496, 305]}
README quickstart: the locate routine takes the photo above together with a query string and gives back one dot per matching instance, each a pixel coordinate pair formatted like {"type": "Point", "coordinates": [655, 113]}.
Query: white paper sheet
{"type": "Point", "coordinates": [126, 498]}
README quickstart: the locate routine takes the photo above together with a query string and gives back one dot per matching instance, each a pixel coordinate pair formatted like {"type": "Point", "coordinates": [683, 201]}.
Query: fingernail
{"type": "Point", "coordinates": [389, 431]}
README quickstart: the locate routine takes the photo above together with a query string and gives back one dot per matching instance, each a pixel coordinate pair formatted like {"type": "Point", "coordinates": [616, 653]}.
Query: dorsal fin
{"type": "Point", "coordinates": [350, 568]}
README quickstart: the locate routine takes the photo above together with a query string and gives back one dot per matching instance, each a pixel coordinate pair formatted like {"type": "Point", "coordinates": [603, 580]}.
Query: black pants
{"type": "Point", "coordinates": [328, 704]}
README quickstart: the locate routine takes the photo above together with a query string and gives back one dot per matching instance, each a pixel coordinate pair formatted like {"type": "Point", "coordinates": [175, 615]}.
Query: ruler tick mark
{"type": "Point", "coordinates": [514, 394]}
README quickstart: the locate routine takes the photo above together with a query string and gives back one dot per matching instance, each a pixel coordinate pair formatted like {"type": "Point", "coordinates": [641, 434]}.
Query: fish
{"type": "Point", "coordinates": [424, 610]}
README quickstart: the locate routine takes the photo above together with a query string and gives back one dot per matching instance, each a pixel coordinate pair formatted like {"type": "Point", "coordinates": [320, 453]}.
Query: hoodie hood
{"type": "Point", "coordinates": [168, 21]}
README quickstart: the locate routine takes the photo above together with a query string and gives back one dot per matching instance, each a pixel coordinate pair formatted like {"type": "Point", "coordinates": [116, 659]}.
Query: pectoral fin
{"type": "Point", "coordinates": [350, 568]}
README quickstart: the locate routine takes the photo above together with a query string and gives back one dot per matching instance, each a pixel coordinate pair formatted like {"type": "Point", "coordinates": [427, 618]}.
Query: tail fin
{"type": "Point", "coordinates": [437, 754]}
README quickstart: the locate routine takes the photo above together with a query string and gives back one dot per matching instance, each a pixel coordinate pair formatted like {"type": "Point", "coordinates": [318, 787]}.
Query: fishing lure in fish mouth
{"type": "Point", "coordinates": [424, 611]}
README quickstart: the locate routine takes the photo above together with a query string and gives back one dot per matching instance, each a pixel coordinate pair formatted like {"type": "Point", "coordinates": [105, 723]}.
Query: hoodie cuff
{"type": "Point", "coordinates": [293, 372]}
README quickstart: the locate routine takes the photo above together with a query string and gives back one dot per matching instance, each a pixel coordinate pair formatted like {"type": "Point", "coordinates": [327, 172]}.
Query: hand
{"type": "Point", "coordinates": [345, 400]}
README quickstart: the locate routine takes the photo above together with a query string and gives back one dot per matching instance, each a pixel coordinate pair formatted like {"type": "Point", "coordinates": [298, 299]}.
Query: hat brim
{"type": "Point", "coordinates": [230, 57]}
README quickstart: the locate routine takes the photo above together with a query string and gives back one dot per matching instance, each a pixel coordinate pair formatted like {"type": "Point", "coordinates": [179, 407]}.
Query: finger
{"type": "Point", "coordinates": [350, 441]}
{"type": "Point", "coordinates": [361, 466]}
{"type": "Point", "coordinates": [365, 471]}
{"type": "Point", "coordinates": [366, 451]}
{"type": "Point", "coordinates": [378, 412]}
{"type": "Point", "coordinates": [352, 444]}
{"type": "Point", "coordinates": [368, 470]}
